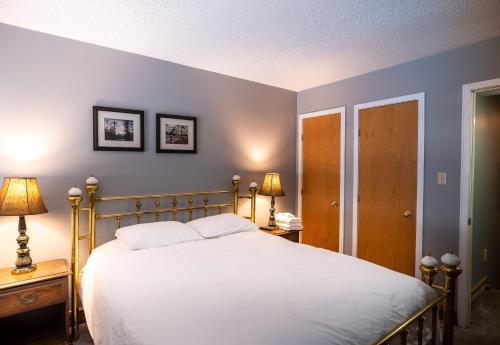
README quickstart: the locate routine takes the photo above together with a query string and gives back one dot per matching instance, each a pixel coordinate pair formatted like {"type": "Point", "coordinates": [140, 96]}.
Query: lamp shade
{"type": "Point", "coordinates": [20, 196]}
{"type": "Point", "coordinates": [271, 185]}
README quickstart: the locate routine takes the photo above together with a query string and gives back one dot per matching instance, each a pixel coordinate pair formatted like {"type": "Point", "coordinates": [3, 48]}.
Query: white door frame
{"type": "Point", "coordinates": [466, 180]}
{"type": "Point", "coordinates": [300, 119]}
{"type": "Point", "coordinates": [420, 97]}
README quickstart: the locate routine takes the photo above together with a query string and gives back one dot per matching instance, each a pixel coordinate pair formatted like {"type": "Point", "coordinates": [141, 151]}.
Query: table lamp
{"type": "Point", "coordinates": [20, 196]}
{"type": "Point", "coordinates": [271, 187]}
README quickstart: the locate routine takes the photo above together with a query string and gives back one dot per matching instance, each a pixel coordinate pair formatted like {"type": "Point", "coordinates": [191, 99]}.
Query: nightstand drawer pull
{"type": "Point", "coordinates": [28, 299]}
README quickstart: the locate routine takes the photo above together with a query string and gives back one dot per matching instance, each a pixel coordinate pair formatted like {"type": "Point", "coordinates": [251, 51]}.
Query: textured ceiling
{"type": "Point", "coordinates": [293, 44]}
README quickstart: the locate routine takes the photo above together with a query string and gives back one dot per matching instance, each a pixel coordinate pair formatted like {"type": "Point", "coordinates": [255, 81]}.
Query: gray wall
{"type": "Point", "coordinates": [441, 78]}
{"type": "Point", "coordinates": [486, 192]}
{"type": "Point", "coordinates": [48, 86]}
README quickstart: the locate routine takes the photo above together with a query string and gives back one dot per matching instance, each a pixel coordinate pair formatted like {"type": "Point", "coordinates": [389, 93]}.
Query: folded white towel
{"type": "Point", "coordinates": [298, 228]}
{"type": "Point", "coordinates": [287, 218]}
{"type": "Point", "coordinates": [285, 215]}
{"type": "Point", "coordinates": [289, 227]}
{"type": "Point", "coordinates": [294, 221]}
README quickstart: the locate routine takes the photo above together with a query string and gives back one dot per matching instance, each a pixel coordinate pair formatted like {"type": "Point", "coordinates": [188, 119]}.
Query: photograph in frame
{"type": "Point", "coordinates": [117, 129]}
{"type": "Point", "coordinates": [175, 133]}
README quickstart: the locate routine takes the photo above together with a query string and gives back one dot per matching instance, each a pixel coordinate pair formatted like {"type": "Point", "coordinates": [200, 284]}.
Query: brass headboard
{"type": "Point", "coordinates": [75, 198]}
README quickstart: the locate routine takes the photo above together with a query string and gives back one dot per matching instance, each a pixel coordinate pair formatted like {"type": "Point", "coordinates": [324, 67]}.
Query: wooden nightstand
{"type": "Point", "coordinates": [45, 287]}
{"type": "Point", "coordinates": [289, 235]}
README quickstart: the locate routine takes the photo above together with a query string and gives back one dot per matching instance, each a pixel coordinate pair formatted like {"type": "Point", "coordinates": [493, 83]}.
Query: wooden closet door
{"type": "Point", "coordinates": [321, 181]}
{"type": "Point", "coordinates": [388, 161]}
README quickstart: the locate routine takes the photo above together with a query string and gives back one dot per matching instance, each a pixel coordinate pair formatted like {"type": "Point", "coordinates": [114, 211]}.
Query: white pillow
{"type": "Point", "coordinates": [221, 225]}
{"type": "Point", "coordinates": [159, 234]}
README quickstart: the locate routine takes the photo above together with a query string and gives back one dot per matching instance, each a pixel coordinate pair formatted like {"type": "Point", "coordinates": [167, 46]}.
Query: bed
{"type": "Point", "coordinates": [245, 287]}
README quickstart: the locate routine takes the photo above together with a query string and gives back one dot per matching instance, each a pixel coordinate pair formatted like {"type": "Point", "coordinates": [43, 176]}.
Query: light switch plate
{"type": "Point", "coordinates": [442, 177]}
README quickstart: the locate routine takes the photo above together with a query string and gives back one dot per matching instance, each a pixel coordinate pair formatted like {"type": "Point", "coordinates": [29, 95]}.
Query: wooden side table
{"type": "Point", "coordinates": [47, 286]}
{"type": "Point", "coordinates": [289, 235]}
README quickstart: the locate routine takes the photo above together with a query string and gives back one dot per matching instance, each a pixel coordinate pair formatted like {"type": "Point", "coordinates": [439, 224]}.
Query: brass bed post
{"type": "Point", "coordinates": [74, 199]}
{"type": "Point", "coordinates": [236, 192]}
{"type": "Point", "coordinates": [253, 197]}
{"type": "Point", "coordinates": [451, 270]}
{"type": "Point", "coordinates": [429, 269]}
{"type": "Point", "coordinates": [92, 187]}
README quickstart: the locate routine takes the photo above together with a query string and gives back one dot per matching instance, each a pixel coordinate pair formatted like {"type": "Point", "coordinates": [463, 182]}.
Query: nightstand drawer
{"type": "Point", "coordinates": [33, 296]}
{"type": "Point", "coordinates": [292, 236]}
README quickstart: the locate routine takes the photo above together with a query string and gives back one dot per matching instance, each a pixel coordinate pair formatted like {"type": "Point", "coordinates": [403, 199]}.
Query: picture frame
{"type": "Point", "coordinates": [117, 129]}
{"type": "Point", "coordinates": [176, 133]}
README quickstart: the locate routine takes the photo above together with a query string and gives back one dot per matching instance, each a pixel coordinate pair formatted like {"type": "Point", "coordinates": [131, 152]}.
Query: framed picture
{"type": "Point", "coordinates": [176, 134]}
{"type": "Point", "coordinates": [118, 129]}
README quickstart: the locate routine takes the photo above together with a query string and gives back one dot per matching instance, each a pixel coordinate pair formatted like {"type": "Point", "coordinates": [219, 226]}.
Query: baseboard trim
{"type": "Point", "coordinates": [479, 288]}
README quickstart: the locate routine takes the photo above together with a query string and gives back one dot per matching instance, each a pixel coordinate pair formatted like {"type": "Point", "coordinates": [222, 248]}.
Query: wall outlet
{"type": "Point", "coordinates": [485, 255]}
{"type": "Point", "coordinates": [442, 176]}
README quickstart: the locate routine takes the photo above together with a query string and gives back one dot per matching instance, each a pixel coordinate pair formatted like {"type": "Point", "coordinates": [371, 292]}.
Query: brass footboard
{"type": "Point", "coordinates": [179, 203]}
{"type": "Point", "coordinates": [446, 301]}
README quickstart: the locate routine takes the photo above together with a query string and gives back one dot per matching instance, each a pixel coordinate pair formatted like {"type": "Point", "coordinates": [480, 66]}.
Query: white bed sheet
{"type": "Point", "coordinates": [242, 289]}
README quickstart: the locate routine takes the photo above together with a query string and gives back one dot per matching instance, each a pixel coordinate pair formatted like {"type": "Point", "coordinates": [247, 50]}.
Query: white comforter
{"type": "Point", "coordinates": [242, 289]}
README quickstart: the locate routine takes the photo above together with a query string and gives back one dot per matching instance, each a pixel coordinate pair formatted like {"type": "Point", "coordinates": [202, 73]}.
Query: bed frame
{"type": "Point", "coordinates": [442, 309]}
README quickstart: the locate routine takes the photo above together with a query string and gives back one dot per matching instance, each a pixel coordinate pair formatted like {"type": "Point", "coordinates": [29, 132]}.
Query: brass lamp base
{"type": "Point", "coordinates": [266, 228]}
{"type": "Point", "coordinates": [272, 219]}
{"type": "Point", "coordinates": [24, 270]}
{"type": "Point", "coordinates": [24, 264]}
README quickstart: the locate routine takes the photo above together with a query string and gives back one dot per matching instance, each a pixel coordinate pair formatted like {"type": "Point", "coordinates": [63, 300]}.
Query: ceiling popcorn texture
{"type": "Point", "coordinates": [292, 44]}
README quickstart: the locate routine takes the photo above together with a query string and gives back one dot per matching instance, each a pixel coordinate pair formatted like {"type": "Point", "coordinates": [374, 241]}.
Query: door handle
{"type": "Point", "coordinates": [407, 214]}
{"type": "Point", "coordinates": [334, 204]}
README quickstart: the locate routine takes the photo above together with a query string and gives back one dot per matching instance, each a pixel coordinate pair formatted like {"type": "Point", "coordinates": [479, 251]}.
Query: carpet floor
{"type": "Point", "coordinates": [485, 328]}
{"type": "Point", "coordinates": [85, 338]}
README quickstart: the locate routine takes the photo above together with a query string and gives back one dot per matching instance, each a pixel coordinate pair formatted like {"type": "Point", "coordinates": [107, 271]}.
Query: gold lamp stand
{"type": "Point", "coordinates": [272, 219]}
{"type": "Point", "coordinates": [20, 196]}
{"type": "Point", "coordinates": [24, 264]}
